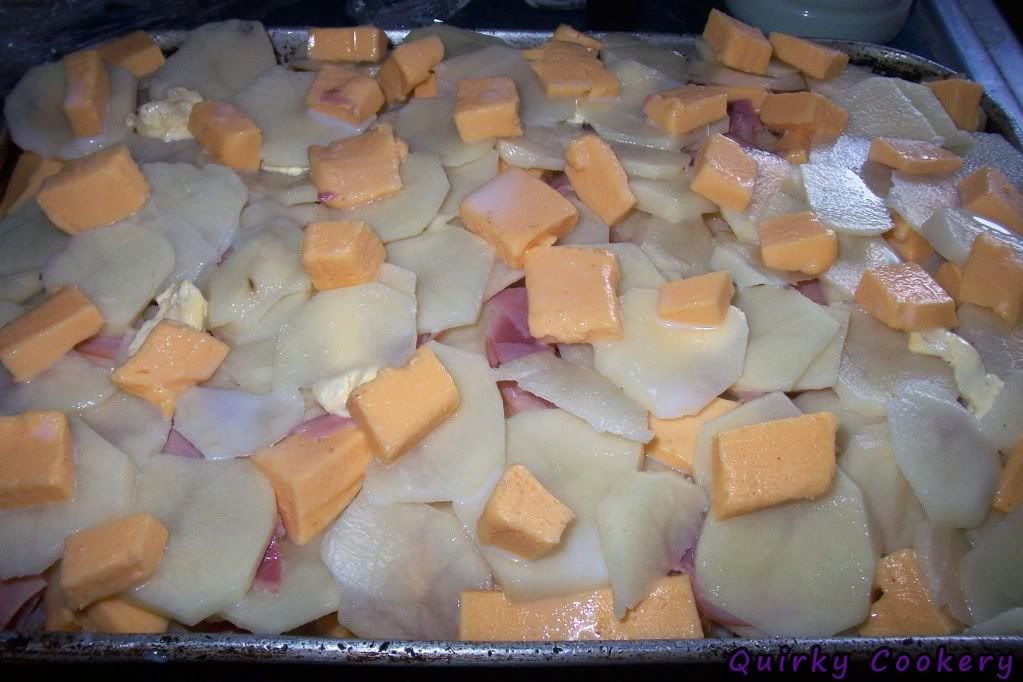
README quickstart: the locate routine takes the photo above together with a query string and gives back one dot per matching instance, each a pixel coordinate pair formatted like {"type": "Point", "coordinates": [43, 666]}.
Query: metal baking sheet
{"type": "Point", "coordinates": [233, 648]}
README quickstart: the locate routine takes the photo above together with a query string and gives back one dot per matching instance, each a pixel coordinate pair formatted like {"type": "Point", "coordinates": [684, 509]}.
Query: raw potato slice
{"type": "Point", "coordinates": [249, 367]}
{"type": "Point", "coordinates": [842, 202]}
{"type": "Point", "coordinates": [537, 147]}
{"type": "Point", "coordinates": [823, 371]}
{"type": "Point", "coordinates": [670, 199]}
{"type": "Point", "coordinates": [287, 190]}
{"type": "Point", "coordinates": [29, 239]}
{"type": "Point", "coordinates": [369, 325]}
{"type": "Point", "coordinates": [951, 232]}
{"type": "Point", "coordinates": [672, 370]}
{"type": "Point", "coordinates": [743, 262]}
{"type": "Point", "coordinates": [428, 125]}
{"type": "Point", "coordinates": [20, 287]}
{"type": "Point", "coordinates": [580, 391]}
{"type": "Point", "coordinates": [616, 47]}
{"type": "Point", "coordinates": [855, 256]}
{"type": "Point", "coordinates": [457, 41]}
{"type": "Point", "coordinates": [803, 569]}
{"type": "Point", "coordinates": [787, 331]}
{"type": "Point", "coordinates": [220, 516]}
{"type": "Point", "coordinates": [942, 453]}
{"type": "Point", "coordinates": [1002, 425]}
{"type": "Point", "coordinates": [647, 521]}
{"type": "Point", "coordinates": [133, 425]}
{"type": "Point", "coordinates": [1000, 346]}
{"type": "Point", "coordinates": [773, 174]}
{"type": "Point", "coordinates": [916, 198]}
{"type": "Point", "coordinates": [589, 228]}
{"type": "Point", "coordinates": [1006, 623]}
{"type": "Point", "coordinates": [851, 76]}
{"type": "Point", "coordinates": [10, 311]}
{"type": "Point", "coordinates": [452, 267]}
{"type": "Point", "coordinates": [878, 108]}
{"type": "Point", "coordinates": [466, 179]}
{"type": "Point", "coordinates": [152, 150]}
{"type": "Point", "coordinates": [848, 151]}
{"type": "Point", "coordinates": [927, 104]}
{"type": "Point", "coordinates": [223, 423]}
{"type": "Point", "coordinates": [104, 485]}
{"type": "Point", "coordinates": [119, 268]}
{"type": "Point", "coordinates": [654, 164]}
{"type": "Point", "coordinates": [401, 569]}
{"type": "Point", "coordinates": [849, 420]}
{"type": "Point", "coordinates": [940, 552]}
{"type": "Point", "coordinates": [306, 592]}
{"type": "Point", "coordinates": [72, 384]}
{"type": "Point", "coordinates": [34, 111]}
{"type": "Point", "coordinates": [992, 149]}
{"type": "Point", "coordinates": [992, 581]}
{"type": "Point", "coordinates": [638, 271]}
{"type": "Point", "coordinates": [460, 455]}
{"type": "Point", "coordinates": [217, 60]}
{"type": "Point", "coordinates": [677, 251]}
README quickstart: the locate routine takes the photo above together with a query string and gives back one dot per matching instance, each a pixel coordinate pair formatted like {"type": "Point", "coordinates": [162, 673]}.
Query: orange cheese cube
{"type": "Point", "coordinates": [358, 169]}
{"type": "Point", "coordinates": [575, 77]}
{"type": "Point", "coordinates": [737, 45]}
{"type": "Point", "coordinates": [572, 294]}
{"type": "Point", "coordinates": [230, 137]}
{"type": "Point", "coordinates": [409, 65]}
{"type": "Point", "coordinates": [402, 406]}
{"type": "Point", "coordinates": [348, 44]}
{"type": "Point", "coordinates": [754, 94]}
{"type": "Point", "coordinates": [567, 34]}
{"type": "Point", "coordinates": [345, 93]}
{"type": "Point", "coordinates": [27, 177]}
{"type": "Point", "coordinates": [341, 254]}
{"type": "Point", "coordinates": [682, 110]}
{"type": "Point", "coordinates": [487, 107]}
{"type": "Point", "coordinates": [912, 248]}
{"type": "Point", "coordinates": [765, 464]}
{"type": "Point", "coordinates": [112, 557]}
{"type": "Point", "coordinates": [598, 178]}
{"type": "Point", "coordinates": [314, 479]}
{"type": "Point", "coordinates": [795, 143]}
{"type": "Point", "coordinates": [328, 626]}
{"type": "Point", "coordinates": [1010, 483]}
{"type": "Point", "coordinates": [523, 517]}
{"type": "Point", "coordinates": [36, 465]}
{"type": "Point", "coordinates": [34, 342]}
{"type": "Point", "coordinates": [901, 230]}
{"type": "Point", "coordinates": [172, 359]}
{"type": "Point", "coordinates": [904, 608]}
{"type": "Point", "coordinates": [993, 278]}
{"type": "Point", "coordinates": [950, 277]}
{"type": "Point", "coordinates": [797, 242]}
{"type": "Point", "coordinates": [427, 88]}
{"type": "Point", "coordinates": [904, 297]}
{"type": "Point", "coordinates": [961, 99]}
{"type": "Point", "coordinates": [669, 612]}
{"type": "Point", "coordinates": [811, 58]}
{"type": "Point", "coordinates": [988, 193]}
{"type": "Point", "coordinates": [540, 173]}
{"type": "Point", "coordinates": [120, 617]}
{"type": "Point", "coordinates": [86, 92]}
{"type": "Point", "coordinates": [702, 300]}
{"type": "Point", "coordinates": [135, 52]}
{"type": "Point", "coordinates": [724, 173]}
{"type": "Point", "coordinates": [788, 110]}
{"type": "Point", "coordinates": [94, 190]}
{"type": "Point", "coordinates": [515, 212]}
{"type": "Point", "coordinates": [59, 618]}
{"type": "Point", "coordinates": [674, 441]}
{"type": "Point", "coordinates": [913, 157]}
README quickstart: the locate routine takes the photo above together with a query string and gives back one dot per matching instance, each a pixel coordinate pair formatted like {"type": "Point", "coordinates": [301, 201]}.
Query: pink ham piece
{"type": "Point", "coordinates": [423, 339]}
{"type": "Point", "coordinates": [811, 288]}
{"type": "Point", "coordinates": [15, 595]}
{"type": "Point", "coordinates": [559, 181]}
{"type": "Point", "coordinates": [101, 346]}
{"type": "Point", "coordinates": [743, 122]}
{"type": "Point", "coordinates": [268, 575]}
{"type": "Point", "coordinates": [747, 396]}
{"type": "Point", "coordinates": [179, 445]}
{"type": "Point", "coordinates": [517, 399]}
{"type": "Point", "coordinates": [323, 425]}
{"type": "Point", "coordinates": [507, 331]}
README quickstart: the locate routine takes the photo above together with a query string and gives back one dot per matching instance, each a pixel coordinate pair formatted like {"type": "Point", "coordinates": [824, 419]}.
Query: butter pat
{"type": "Point", "coordinates": [332, 393]}
{"type": "Point", "coordinates": [167, 119]}
{"type": "Point", "coordinates": [674, 441]}
{"type": "Point", "coordinates": [36, 465]}
{"type": "Point", "coordinates": [961, 99]}
{"type": "Point", "coordinates": [737, 45]}
{"type": "Point", "coordinates": [105, 560]}
{"type": "Point", "coordinates": [904, 297]}
{"type": "Point", "coordinates": [523, 517]}
{"type": "Point", "coordinates": [904, 608]}
{"type": "Point", "coordinates": [344, 93]}
{"type": "Point", "coordinates": [913, 157]}
{"type": "Point", "coordinates": [572, 294]}
{"type": "Point", "coordinates": [348, 44]}
{"type": "Point", "coordinates": [701, 301]}
{"type": "Point", "coordinates": [993, 278]}
{"type": "Point", "coordinates": [230, 137]}
{"type": "Point", "coordinates": [94, 190]}
{"type": "Point", "coordinates": [765, 464]}
{"type": "Point", "coordinates": [987, 192]}
{"type": "Point", "coordinates": [978, 388]}
{"type": "Point", "coordinates": [794, 110]}
{"type": "Point", "coordinates": [27, 177]}
{"type": "Point", "coordinates": [181, 302]}
{"type": "Point", "coordinates": [724, 173]}
{"type": "Point", "coordinates": [358, 169]}
{"type": "Point", "coordinates": [684, 109]}
{"type": "Point", "coordinates": [598, 178]}
{"type": "Point", "coordinates": [117, 616]}
{"type": "Point", "coordinates": [34, 342]}
{"type": "Point", "coordinates": [487, 107]}
{"type": "Point", "coordinates": [400, 407]}
{"type": "Point", "coordinates": [809, 57]}
{"type": "Point", "coordinates": [341, 254]}
{"type": "Point", "coordinates": [135, 52]}
{"type": "Point", "coordinates": [797, 242]}
{"type": "Point", "coordinates": [409, 65]}
{"type": "Point", "coordinates": [86, 92]}
{"type": "Point", "coordinates": [314, 480]}
{"type": "Point", "coordinates": [1010, 483]}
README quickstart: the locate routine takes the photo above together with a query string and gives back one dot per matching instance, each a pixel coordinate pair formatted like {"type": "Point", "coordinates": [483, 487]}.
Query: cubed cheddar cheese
{"type": "Point", "coordinates": [674, 441]}
{"type": "Point", "coordinates": [117, 616]}
{"type": "Point", "coordinates": [328, 626]}
{"type": "Point", "coordinates": [487, 107]}
{"type": "Point", "coordinates": [341, 254]}
{"type": "Point", "coordinates": [1010, 483]}
{"type": "Point", "coordinates": [911, 247]}
{"type": "Point", "coordinates": [987, 192]}
{"type": "Point", "coordinates": [515, 212]}
{"type": "Point", "coordinates": [904, 608]}
{"type": "Point", "coordinates": [901, 230]}
{"type": "Point", "coordinates": [135, 52]}
{"type": "Point", "coordinates": [950, 277]}
{"type": "Point", "coordinates": [314, 479]}
{"type": "Point", "coordinates": [27, 177]}
{"type": "Point", "coordinates": [793, 110]}
{"type": "Point", "coordinates": [86, 92]}
{"type": "Point", "coordinates": [94, 190]}
{"type": "Point", "coordinates": [539, 173]}
{"type": "Point", "coordinates": [684, 109]}
{"type": "Point", "coordinates": [427, 88]}
{"type": "Point", "coordinates": [110, 558]}
{"type": "Point", "coordinates": [904, 297]}
{"type": "Point", "coordinates": [993, 278]}
{"type": "Point", "coordinates": [347, 44]}
{"type": "Point", "coordinates": [358, 169]}
{"type": "Point", "coordinates": [795, 143]}
{"type": "Point", "coordinates": [173, 358]}
{"type": "Point", "coordinates": [409, 65]}
{"type": "Point", "coordinates": [755, 95]}
{"type": "Point", "coordinates": [701, 300]}
{"type": "Point", "coordinates": [572, 294]}
{"type": "Point", "coordinates": [584, 76]}
{"type": "Point", "coordinates": [737, 45]}
{"type": "Point", "coordinates": [961, 99]}
{"type": "Point", "coordinates": [669, 612]}
{"type": "Point", "coordinates": [567, 34]}
{"type": "Point", "coordinates": [811, 58]}
{"type": "Point", "coordinates": [523, 517]}
{"type": "Point", "coordinates": [59, 617]}
{"type": "Point", "coordinates": [913, 157]}
{"type": "Point", "coordinates": [797, 242]}
{"type": "Point", "coordinates": [598, 178]}
{"type": "Point", "coordinates": [36, 465]}
{"type": "Point", "coordinates": [772, 462]}
{"type": "Point", "coordinates": [230, 137]}
{"type": "Point", "coordinates": [724, 173]}
{"type": "Point", "coordinates": [401, 406]}
{"type": "Point", "coordinates": [34, 342]}
{"type": "Point", "coordinates": [345, 93]}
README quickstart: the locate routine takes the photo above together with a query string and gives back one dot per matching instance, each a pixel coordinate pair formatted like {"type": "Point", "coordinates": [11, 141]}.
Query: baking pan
{"type": "Point", "coordinates": [873, 652]}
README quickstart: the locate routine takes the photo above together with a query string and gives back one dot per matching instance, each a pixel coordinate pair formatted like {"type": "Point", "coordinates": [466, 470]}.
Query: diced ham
{"type": "Point", "coordinates": [323, 425]}
{"type": "Point", "coordinates": [268, 575]}
{"type": "Point", "coordinates": [811, 288]}
{"type": "Point", "coordinates": [507, 333]}
{"type": "Point", "coordinates": [423, 339]}
{"type": "Point", "coordinates": [15, 595]}
{"type": "Point", "coordinates": [560, 182]}
{"type": "Point", "coordinates": [101, 346]}
{"type": "Point", "coordinates": [747, 396]}
{"type": "Point", "coordinates": [743, 122]}
{"type": "Point", "coordinates": [517, 399]}
{"type": "Point", "coordinates": [179, 445]}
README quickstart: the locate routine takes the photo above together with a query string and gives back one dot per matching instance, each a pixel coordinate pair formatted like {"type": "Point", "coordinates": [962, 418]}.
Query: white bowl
{"type": "Point", "coordinates": [873, 21]}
